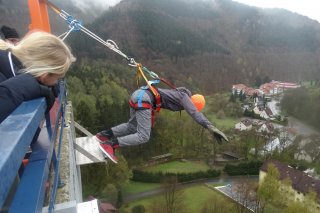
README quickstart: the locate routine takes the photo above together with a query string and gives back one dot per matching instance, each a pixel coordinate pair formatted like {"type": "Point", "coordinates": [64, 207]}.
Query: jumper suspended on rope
{"type": "Point", "coordinates": [144, 102]}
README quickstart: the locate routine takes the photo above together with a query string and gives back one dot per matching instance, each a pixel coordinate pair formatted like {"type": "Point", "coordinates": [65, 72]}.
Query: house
{"type": "Point", "coordinates": [244, 125]}
{"type": "Point", "coordinates": [301, 183]}
{"type": "Point", "coordinates": [269, 113]}
{"type": "Point", "coordinates": [265, 127]}
{"type": "Point", "coordinates": [285, 85]}
{"type": "Point", "coordinates": [257, 110]}
{"type": "Point", "coordinates": [275, 144]}
{"type": "Point", "coordinates": [250, 92]}
{"type": "Point", "coordinates": [231, 156]}
{"type": "Point", "coordinates": [273, 106]}
{"type": "Point", "coordinates": [271, 145]}
{"type": "Point", "coordinates": [237, 88]}
{"type": "Point", "coordinates": [276, 87]}
{"type": "Point", "coordinates": [270, 89]}
{"type": "Point", "coordinates": [265, 113]}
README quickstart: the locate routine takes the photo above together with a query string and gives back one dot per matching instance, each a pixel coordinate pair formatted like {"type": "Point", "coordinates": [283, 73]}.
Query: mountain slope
{"type": "Point", "coordinates": [206, 45]}
{"type": "Point", "coordinates": [209, 45]}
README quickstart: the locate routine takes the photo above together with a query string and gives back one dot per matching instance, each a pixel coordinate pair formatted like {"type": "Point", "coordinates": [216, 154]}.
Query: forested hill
{"type": "Point", "coordinates": [209, 44]}
{"type": "Point", "coordinates": [203, 44]}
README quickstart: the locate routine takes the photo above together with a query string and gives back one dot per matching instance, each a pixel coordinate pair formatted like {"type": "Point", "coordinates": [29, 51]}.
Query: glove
{"type": "Point", "coordinates": [48, 93]}
{"type": "Point", "coordinates": [56, 89]}
{"type": "Point", "coordinates": [217, 134]}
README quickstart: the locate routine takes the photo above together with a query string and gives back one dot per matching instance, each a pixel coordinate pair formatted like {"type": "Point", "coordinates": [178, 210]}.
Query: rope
{"type": "Point", "coordinates": [76, 25]}
{"type": "Point", "coordinates": [65, 35]}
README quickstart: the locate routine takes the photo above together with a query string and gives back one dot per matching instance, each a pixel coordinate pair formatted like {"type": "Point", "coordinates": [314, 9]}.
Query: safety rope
{"type": "Point", "coordinates": [76, 25]}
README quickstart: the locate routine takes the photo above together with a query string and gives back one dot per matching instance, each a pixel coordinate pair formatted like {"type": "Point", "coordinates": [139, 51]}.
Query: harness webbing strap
{"type": "Point", "coordinates": [140, 95]}
{"type": "Point", "coordinates": [152, 89]}
{"type": "Point", "coordinates": [144, 105]}
{"type": "Point", "coordinates": [167, 83]}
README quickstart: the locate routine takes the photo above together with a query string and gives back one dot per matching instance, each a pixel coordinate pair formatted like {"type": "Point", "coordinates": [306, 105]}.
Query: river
{"type": "Point", "coordinates": [302, 128]}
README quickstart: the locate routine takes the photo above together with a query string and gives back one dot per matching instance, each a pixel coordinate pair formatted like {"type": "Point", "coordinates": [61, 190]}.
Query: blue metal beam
{"type": "Point", "coordinates": [17, 132]}
{"type": "Point", "coordinates": [30, 194]}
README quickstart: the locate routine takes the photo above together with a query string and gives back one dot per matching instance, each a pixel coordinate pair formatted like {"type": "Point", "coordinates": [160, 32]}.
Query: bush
{"type": "Point", "coordinates": [247, 168]}
{"type": "Point", "coordinates": [138, 209]}
{"type": "Point", "coordinates": [150, 177]}
{"type": "Point", "coordinates": [221, 114]}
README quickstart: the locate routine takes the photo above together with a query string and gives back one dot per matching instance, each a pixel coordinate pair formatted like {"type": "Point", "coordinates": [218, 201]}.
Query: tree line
{"type": "Point", "coordinates": [303, 103]}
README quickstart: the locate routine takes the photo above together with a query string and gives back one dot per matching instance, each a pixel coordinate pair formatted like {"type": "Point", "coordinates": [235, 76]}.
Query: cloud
{"type": "Point", "coordinates": [102, 4]}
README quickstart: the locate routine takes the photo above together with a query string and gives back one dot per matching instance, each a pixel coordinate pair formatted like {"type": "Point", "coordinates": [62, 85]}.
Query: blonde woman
{"type": "Point", "coordinates": [30, 68]}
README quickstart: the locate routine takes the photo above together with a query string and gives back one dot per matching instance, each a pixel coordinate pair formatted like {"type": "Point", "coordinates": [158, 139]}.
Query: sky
{"type": "Point", "coordinates": [310, 8]}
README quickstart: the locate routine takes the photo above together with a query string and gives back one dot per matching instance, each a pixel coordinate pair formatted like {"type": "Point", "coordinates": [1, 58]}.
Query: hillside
{"type": "Point", "coordinates": [207, 45]}
{"type": "Point", "coordinates": [210, 45]}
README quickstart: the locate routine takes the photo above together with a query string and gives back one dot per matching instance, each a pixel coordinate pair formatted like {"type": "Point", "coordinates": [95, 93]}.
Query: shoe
{"type": "Point", "coordinates": [108, 151]}
{"type": "Point", "coordinates": [101, 138]}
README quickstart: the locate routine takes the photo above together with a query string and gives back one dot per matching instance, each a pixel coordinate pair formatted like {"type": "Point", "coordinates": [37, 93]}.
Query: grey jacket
{"type": "Point", "coordinates": [174, 100]}
{"type": "Point", "coordinates": [179, 99]}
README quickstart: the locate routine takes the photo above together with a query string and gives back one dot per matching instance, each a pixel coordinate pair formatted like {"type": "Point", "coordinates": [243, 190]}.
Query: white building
{"type": "Point", "coordinates": [244, 125]}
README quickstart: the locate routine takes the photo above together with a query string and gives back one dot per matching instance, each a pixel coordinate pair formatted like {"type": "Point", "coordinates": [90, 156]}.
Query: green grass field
{"type": "Point", "coordinates": [179, 167]}
{"type": "Point", "coordinates": [194, 199]}
{"type": "Point", "coordinates": [137, 187]}
{"type": "Point", "coordinates": [225, 123]}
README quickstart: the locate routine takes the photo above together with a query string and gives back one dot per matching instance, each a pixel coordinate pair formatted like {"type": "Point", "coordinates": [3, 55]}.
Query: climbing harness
{"type": "Point", "coordinates": [140, 104]}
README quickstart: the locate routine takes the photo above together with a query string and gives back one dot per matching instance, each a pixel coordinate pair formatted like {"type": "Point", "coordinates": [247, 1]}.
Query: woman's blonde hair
{"type": "Point", "coordinates": [41, 53]}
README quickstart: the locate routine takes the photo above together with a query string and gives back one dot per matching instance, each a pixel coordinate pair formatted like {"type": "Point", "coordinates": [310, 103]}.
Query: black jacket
{"type": "Point", "coordinates": [16, 88]}
{"type": "Point", "coordinates": [5, 66]}
{"type": "Point", "coordinates": [23, 87]}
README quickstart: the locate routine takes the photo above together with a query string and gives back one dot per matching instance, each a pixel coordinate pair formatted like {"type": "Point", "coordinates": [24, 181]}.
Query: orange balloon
{"type": "Point", "coordinates": [198, 101]}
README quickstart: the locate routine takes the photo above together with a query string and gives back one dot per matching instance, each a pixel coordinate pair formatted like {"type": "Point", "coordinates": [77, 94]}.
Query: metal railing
{"type": "Point", "coordinates": [26, 188]}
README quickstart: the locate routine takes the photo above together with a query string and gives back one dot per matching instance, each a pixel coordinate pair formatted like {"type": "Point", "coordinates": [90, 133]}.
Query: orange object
{"type": "Point", "coordinates": [198, 101]}
{"type": "Point", "coordinates": [39, 15]}
{"type": "Point", "coordinates": [25, 162]}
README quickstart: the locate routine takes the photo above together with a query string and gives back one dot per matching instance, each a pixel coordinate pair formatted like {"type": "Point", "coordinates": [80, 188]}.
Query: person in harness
{"type": "Point", "coordinates": [143, 102]}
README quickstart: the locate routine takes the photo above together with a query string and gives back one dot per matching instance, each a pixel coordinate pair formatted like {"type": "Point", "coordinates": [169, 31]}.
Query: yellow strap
{"type": "Point", "coordinates": [137, 77]}
{"type": "Point", "coordinates": [153, 90]}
